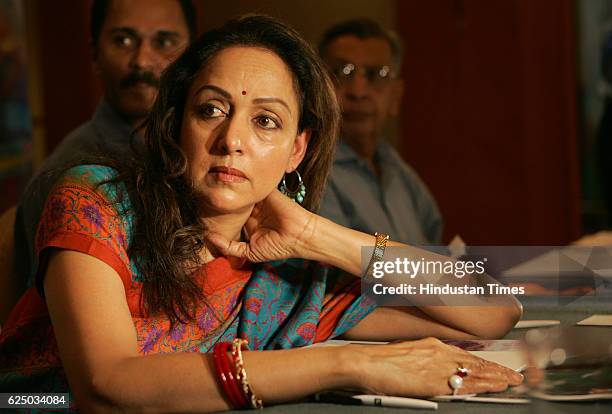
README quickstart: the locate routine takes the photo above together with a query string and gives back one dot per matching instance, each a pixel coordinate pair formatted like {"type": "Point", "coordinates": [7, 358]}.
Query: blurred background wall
{"type": "Point", "coordinates": [490, 115]}
{"type": "Point", "coordinates": [16, 137]}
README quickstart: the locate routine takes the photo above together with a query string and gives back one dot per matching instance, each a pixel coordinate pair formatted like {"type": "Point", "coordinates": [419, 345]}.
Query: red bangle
{"type": "Point", "coordinates": [221, 374]}
{"type": "Point", "coordinates": [234, 386]}
{"type": "Point", "coordinates": [226, 378]}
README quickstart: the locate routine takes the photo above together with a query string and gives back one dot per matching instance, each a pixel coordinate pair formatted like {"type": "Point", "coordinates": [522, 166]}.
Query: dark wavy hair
{"type": "Point", "coordinates": [169, 233]}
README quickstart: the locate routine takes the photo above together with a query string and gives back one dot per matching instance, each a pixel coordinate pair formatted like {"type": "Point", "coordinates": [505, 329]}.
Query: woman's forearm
{"type": "Point", "coordinates": [480, 321]}
{"type": "Point", "coordinates": [337, 245]}
{"type": "Point", "coordinates": [486, 316]}
{"type": "Point", "coordinates": [187, 382]}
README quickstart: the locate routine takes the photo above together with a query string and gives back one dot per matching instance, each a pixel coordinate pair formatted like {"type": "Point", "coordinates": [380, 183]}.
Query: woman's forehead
{"type": "Point", "coordinates": [249, 71]}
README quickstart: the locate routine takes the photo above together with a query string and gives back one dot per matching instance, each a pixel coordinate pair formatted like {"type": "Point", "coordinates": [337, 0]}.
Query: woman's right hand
{"type": "Point", "coordinates": [422, 369]}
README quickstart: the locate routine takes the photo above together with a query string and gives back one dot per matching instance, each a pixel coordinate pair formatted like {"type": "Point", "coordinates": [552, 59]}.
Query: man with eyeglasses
{"type": "Point", "coordinates": [371, 188]}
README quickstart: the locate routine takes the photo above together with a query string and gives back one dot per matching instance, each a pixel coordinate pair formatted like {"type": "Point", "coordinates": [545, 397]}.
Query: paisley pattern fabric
{"type": "Point", "coordinates": [274, 305]}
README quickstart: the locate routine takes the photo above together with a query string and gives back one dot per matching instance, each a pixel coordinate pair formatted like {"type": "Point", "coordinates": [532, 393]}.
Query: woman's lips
{"type": "Point", "coordinates": [227, 174]}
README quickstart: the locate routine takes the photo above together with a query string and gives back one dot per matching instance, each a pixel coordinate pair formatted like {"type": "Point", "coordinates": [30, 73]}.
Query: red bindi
{"type": "Point", "coordinates": [244, 92]}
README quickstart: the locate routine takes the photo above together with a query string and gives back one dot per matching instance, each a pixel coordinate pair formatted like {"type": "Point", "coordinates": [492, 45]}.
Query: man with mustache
{"type": "Point", "coordinates": [132, 41]}
{"type": "Point", "coordinates": [371, 188]}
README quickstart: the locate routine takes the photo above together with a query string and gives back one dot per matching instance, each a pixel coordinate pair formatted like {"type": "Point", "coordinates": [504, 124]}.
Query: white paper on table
{"type": "Point", "coordinates": [597, 320]}
{"type": "Point", "coordinates": [535, 323]}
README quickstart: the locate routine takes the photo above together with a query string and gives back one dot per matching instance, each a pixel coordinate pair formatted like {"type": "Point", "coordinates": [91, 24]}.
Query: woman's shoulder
{"type": "Point", "coordinates": [87, 175]}
{"type": "Point", "coordinates": [99, 179]}
{"type": "Point", "coordinates": [86, 211]}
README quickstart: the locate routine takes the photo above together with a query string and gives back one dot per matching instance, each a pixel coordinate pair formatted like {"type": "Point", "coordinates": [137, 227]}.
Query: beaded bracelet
{"type": "Point", "coordinates": [237, 346]}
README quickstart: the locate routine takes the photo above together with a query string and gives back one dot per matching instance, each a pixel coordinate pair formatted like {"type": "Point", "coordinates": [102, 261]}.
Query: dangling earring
{"type": "Point", "coordinates": [299, 194]}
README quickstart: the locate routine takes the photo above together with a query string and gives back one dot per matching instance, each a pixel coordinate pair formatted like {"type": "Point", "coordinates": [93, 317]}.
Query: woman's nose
{"type": "Point", "coordinates": [233, 137]}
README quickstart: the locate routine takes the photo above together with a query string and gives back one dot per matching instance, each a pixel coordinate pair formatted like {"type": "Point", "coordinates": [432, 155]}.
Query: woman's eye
{"type": "Point", "coordinates": [267, 122]}
{"type": "Point", "coordinates": [211, 111]}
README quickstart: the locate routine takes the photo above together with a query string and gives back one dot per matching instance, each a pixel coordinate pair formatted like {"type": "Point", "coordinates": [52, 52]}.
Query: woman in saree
{"type": "Point", "coordinates": [183, 280]}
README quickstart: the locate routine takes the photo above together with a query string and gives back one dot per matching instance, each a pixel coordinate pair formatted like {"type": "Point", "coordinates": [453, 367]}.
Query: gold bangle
{"type": "Point", "coordinates": [379, 251]}
{"type": "Point", "coordinates": [241, 374]}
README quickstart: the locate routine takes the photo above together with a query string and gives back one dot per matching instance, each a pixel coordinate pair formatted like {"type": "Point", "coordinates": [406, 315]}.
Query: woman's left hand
{"type": "Point", "coordinates": [278, 228]}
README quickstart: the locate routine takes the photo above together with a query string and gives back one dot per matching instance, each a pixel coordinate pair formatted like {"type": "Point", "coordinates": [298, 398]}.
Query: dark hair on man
{"type": "Point", "coordinates": [99, 10]}
{"type": "Point", "coordinates": [168, 230]}
{"type": "Point", "coordinates": [363, 28]}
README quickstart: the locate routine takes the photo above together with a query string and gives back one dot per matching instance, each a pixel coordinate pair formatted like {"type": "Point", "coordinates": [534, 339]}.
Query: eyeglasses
{"type": "Point", "coordinates": [377, 76]}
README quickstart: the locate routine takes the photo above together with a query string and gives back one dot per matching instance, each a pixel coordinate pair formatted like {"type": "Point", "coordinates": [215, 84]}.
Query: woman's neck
{"type": "Point", "coordinates": [229, 226]}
